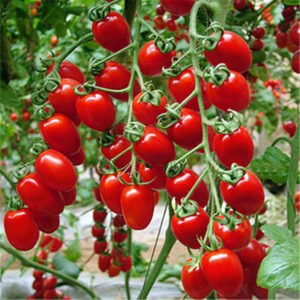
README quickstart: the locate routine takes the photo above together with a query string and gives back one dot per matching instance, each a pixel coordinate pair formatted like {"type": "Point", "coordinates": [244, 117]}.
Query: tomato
{"type": "Point", "coordinates": [137, 206]}
{"type": "Point", "coordinates": [231, 50]}
{"type": "Point", "coordinates": [14, 117]}
{"type": "Point", "coordinates": [104, 262]}
{"type": "Point", "coordinates": [246, 196]}
{"type": "Point", "coordinates": [37, 274]}
{"type": "Point", "coordinates": [171, 25]}
{"type": "Point", "coordinates": [152, 60]}
{"type": "Point", "coordinates": [259, 292]}
{"type": "Point", "coordinates": [159, 22]}
{"type": "Point", "coordinates": [281, 39]}
{"type": "Point", "coordinates": [188, 230]}
{"type": "Point", "coordinates": [159, 9]}
{"type": "Point", "coordinates": [114, 270]}
{"type": "Point", "coordinates": [50, 282]}
{"type": "Point", "coordinates": [119, 145]}
{"type": "Point", "coordinates": [37, 284]}
{"type": "Point", "coordinates": [259, 234]}
{"type": "Point", "coordinates": [115, 76]}
{"type": "Point", "coordinates": [61, 134]}
{"type": "Point", "coordinates": [180, 185]}
{"type": "Point", "coordinates": [26, 116]}
{"type": "Point", "coordinates": [112, 33]}
{"type": "Point", "coordinates": [96, 110]}
{"type": "Point", "coordinates": [178, 7]}
{"type": "Point", "coordinates": [223, 271]}
{"type": "Point", "coordinates": [155, 175]}
{"type": "Point", "coordinates": [289, 127]}
{"type": "Point", "coordinates": [118, 221]}
{"type": "Point", "coordinates": [21, 229]}
{"type": "Point", "coordinates": [183, 85]}
{"type": "Point", "coordinates": [45, 222]}
{"type": "Point", "coordinates": [55, 170]}
{"type": "Point", "coordinates": [234, 239]}
{"type": "Point", "coordinates": [146, 112]}
{"type": "Point", "coordinates": [297, 201]}
{"type": "Point", "coordinates": [56, 244]}
{"type": "Point", "coordinates": [119, 236]}
{"type": "Point", "coordinates": [239, 4]}
{"type": "Point", "coordinates": [111, 189]}
{"type": "Point", "coordinates": [294, 34]}
{"type": "Point", "coordinates": [288, 13]}
{"type": "Point", "coordinates": [100, 246]}
{"type": "Point", "coordinates": [99, 214]}
{"type": "Point", "coordinates": [194, 283]}
{"type": "Point", "coordinates": [69, 197]}
{"type": "Point", "coordinates": [257, 45]}
{"type": "Point", "coordinates": [295, 63]}
{"type": "Point", "coordinates": [126, 263]}
{"type": "Point", "coordinates": [46, 239]}
{"type": "Point", "coordinates": [64, 99]}
{"type": "Point", "coordinates": [259, 32]}
{"type": "Point", "coordinates": [54, 40]}
{"type": "Point", "coordinates": [68, 70]}
{"type": "Point", "coordinates": [37, 196]}
{"type": "Point", "coordinates": [78, 158]}
{"type": "Point", "coordinates": [98, 231]}
{"type": "Point", "coordinates": [291, 46]}
{"type": "Point", "coordinates": [234, 93]}
{"type": "Point", "coordinates": [236, 147]}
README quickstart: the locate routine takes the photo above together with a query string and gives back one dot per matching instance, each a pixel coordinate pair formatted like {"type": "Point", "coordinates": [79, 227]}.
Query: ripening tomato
{"type": "Point", "coordinates": [193, 281]}
{"type": "Point", "coordinates": [295, 63]}
{"type": "Point", "coordinates": [55, 170]}
{"type": "Point", "coordinates": [96, 110]}
{"type": "Point", "coordinates": [64, 99]}
{"type": "Point", "coordinates": [46, 223]}
{"type": "Point", "coordinates": [137, 206]}
{"type": "Point", "coordinates": [21, 229]}
{"type": "Point", "coordinates": [146, 112]}
{"type": "Point", "coordinates": [234, 93]}
{"type": "Point", "coordinates": [289, 127]}
{"type": "Point", "coordinates": [188, 230]}
{"type": "Point", "coordinates": [178, 7]}
{"type": "Point", "coordinates": [236, 147]}
{"type": "Point", "coordinates": [78, 158]}
{"type": "Point", "coordinates": [294, 34]}
{"type": "Point", "coordinates": [281, 39]}
{"type": "Point", "coordinates": [152, 60]}
{"type": "Point", "coordinates": [119, 145]}
{"type": "Point", "coordinates": [223, 271]}
{"type": "Point", "coordinates": [155, 175]}
{"type": "Point", "coordinates": [112, 33]}
{"type": "Point", "coordinates": [183, 85]}
{"type": "Point", "coordinates": [61, 134]}
{"type": "Point", "coordinates": [180, 185]}
{"type": "Point", "coordinates": [54, 40]}
{"type": "Point", "coordinates": [69, 197]}
{"type": "Point", "coordinates": [37, 196]}
{"type": "Point", "coordinates": [154, 147]}
{"type": "Point", "coordinates": [231, 50]}
{"type": "Point", "coordinates": [246, 196]}
{"type": "Point", "coordinates": [115, 76]}
{"type": "Point", "coordinates": [259, 32]}
{"type": "Point", "coordinates": [104, 262]}
{"type": "Point", "coordinates": [111, 189]}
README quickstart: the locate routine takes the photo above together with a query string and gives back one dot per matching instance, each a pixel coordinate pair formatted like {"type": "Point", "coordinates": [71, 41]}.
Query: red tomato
{"type": "Point", "coordinates": [234, 93]}
{"type": "Point", "coordinates": [281, 39]}
{"type": "Point", "coordinates": [152, 60]}
{"type": "Point", "coordinates": [21, 229]}
{"type": "Point", "coordinates": [55, 170]}
{"type": "Point", "coordinates": [37, 196]}
{"type": "Point", "coordinates": [259, 32]}
{"type": "Point", "coordinates": [46, 239]}
{"type": "Point", "coordinates": [290, 127]}
{"type": "Point", "coordinates": [194, 283]}
{"type": "Point", "coordinates": [288, 13]}
{"type": "Point", "coordinates": [137, 206]}
{"type": "Point", "coordinates": [234, 239]}
{"type": "Point", "coordinates": [98, 231]}
{"type": "Point", "coordinates": [50, 282]}
{"type": "Point", "coordinates": [99, 214]}
{"type": "Point", "coordinates": [60, 133]}
{"type": "Point", "coordinates": [231, 50]}
{"type": "Point", "coordinates": [13, 117]}
{"type": "Point", "coordinates": [159, 22]}
{"type": "Point", "coordinates": [297, 201]}
{"type": "Point", "coordinates": [178, 7]}
{"type": "Point", "coordinates": [26, 116]}
{"type": "Point", "coordinates": [295, 63]}
{"type": "Point", "coordinates": [115, 76]}
{"type": "Point", "coordinates": [118, 221]}
{"type": "Point", "coordinates": [236, 147]}
{"type": "Point", "coordinates": [120, 236]}
{"type": "Point", "coordinates": [171, 25]}
{"type": "Point", "coordinates": [37, 274]}
{"type": "Point", "coordinates": [154, 147]}
{"type": "Point", "coordinates": [291, 46]}
{"type": "Point", "coordinates": [46, 223]}
{"type": "Point", "coordinates": [69, 196]}
{"type": "Point", "coordinates": [56, 244]}
{"type": "Point", "coordinates": [100, 246]}
{"type": "Point", "coordinates": [183, 85]}
{"type": "Point", "coordinates": [119, 145]}
{"type": "Point", "coordinates": [239, 4]}
{"type": "Point", "coordinates": [114, 270]}
{"type": "Point", "coordinates": [78, 158]}
{"type": "Point", "coordinates": [155, 197]}
{"type": "Point", "coordinates": [257, 45]}
{"type": "Point", "coordinates": [259, 234]}
{"type": "Point", "coordinates": [155, 174]}
{"type": "Point", "coordinates": [126, 263]}
{"type": "Point", "coordinates": [181, 184]}
{"type": "Point", "coordinates": [112, 33]}
{"type": "Point", "coordinates": [223, 271]}
{"type": "Point", "coordinates": [159, 10]}
{"type": "Point", "coordinates": [104, 262]}
{"type": "Point", "coordinates": [54, 40]}
{"type": "Point", "coordinates": [111, 189]}
{"type": "Point", "coordinates": [146, 112]}
{"type": "Point", "coordinates": [96, 110]}
{"type": "Point", "coordinates": [188, 230]}
{"type": "Point", "coordinates": [259, 292]}
{"type": "Point", "coordinates": [64, 99]}
{"type": "Point", "coordinates": [294, 34]}
{"type": "Point", "coordinates": [246, 196]}
{"type": "Point", "coordinates": [37, 284]}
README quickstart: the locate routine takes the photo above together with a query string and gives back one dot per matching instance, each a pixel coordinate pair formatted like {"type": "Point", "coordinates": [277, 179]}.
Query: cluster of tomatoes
{"type": "Point", "coordinates": [26, 116]}
{"type": "Point", "coordinates": [35, 8]}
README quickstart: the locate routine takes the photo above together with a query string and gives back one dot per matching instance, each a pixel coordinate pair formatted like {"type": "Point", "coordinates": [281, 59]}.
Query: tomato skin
{"type": "Point", "coordinates": [259, 292]}
{"type": "Point", "coordinates": [100, 246]}
{"type": "Point", "coordinates": [111, 189]}
{"type": "Point", "coordinates": [155, 173]}
{"type": "Point", "coordinates": [55, 170]}
{"type": "Point", "coordinates": [178, 7]}
{"type": "Point", "coordinates": [183, 85]}
{"type": "Point", "coordinates": [159, 22]}
{"type": "Point", "coordinates": [115, 76]}
{"type": "Point", "coordinates": [21, 229]}
{"type": "Point", "coordinates": [64, 99]}
{"type": "Point", "coordinates": [180, 185]}
{"type": "Point", "coordinates": [294, 33]}
{"type": "Point", "coordinates": [78, 158]}
{"type": "Point", "coordinates": [154, 147]}
{"type": "Point", "coordinates": [146, 112]}
{"type": "Point", "coordinates": [137, 206]}
{"type": "Point", "coordinates": [234, 93]}
{"type": "Point", "coordinates": [223, 271]}
{"type": "Point", "coordinates": [281, 39]}
{"type": "Point", "coordinates": [113, 270]}
{"type": "Point", "coordinates": [119, 236]}
{"type": "Point", "coordinates": [112, 33]}
{"type": "Point", "coordinates": [259, 32]}
{"type": "Point", "coordinates": [46, 223]}
{"type": "Point", "coordinates": [61, 134]}
{"type": "Point", "coordinates": [246, 196]}
{"type": "Point", "coordinates": [295, 63]}
{"type": "Point", "coordinates": [119, 145]}
{"type": "Point", "coordinates": [152, 60]}
{"type": "Point", "coordinates": [96, 110]}
{"type": "Point", "coordinates": [236, 147]}
{"type": "Point", "coordinates": [38, 197]}
{"type": "Point", "coordinates": [187, 230]}
{"type": "Point", "coordinates": [118, 221]}
{"type": "Point", "coordinates": [126, 263]}
{"type": "Point", "coordinates": [239, 4]}
{"type": "Point", "coordinates": [69, 197]}
{"type": "Point", "coordinates": [297, 201]}
{"type": "Point", "coordinates": [104, 262]}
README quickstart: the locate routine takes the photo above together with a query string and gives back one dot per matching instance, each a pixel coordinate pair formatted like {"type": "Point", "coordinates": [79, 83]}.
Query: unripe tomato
{"type": "Point", "coordinates": [290, 127]}
{"type": "Point", "coordinates": [295, 63]}
{"type": "Point", "coordinates": [178, 7]}
{"type": "Point", "coordinates": [69, 197]}
{"type": "Point", "coordinates": [46, 223]}
{"type": "Point", "coordinates": [155, 175]}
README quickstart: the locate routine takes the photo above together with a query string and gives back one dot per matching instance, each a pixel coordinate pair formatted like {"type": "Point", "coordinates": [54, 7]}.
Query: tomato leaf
{"type": "Point", "coordinates": [291, 2]}
{"type": "Point", "coordinates": [8, 96]}
{"type": "Point", "coordinates": [73, 251]}
{"type": "Point", "coordinates": [272, 165]}
{"type": "Point", "coordinates": [66, 266]}
{"type": "Point", "coordinates": [259, 72]}
{"type": "Point", "coordinates": [276, 233]}
{"type": "Point", "coordinates": [280, 268]}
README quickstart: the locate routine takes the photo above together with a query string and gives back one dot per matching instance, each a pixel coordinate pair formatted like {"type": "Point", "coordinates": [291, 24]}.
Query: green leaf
{"type": "Point", "coordinates": [272, 165]}
{"type": "Point", "coordinates": [291, 2]}
{"type": "Point", "coordinates": [65, 266]}
{"type": "Point", "coordinates": [258, 56]}
{"type": "Point", "coordinates": [73, 251]}
{"type": "Point", "coordinates": [276, 233]}
{"type": "Point", "coordinates": [8, 96]}
{"type": "Point", "coordinates": [280, 268]}
{"type": "Point", "coordinates": [259, 72]}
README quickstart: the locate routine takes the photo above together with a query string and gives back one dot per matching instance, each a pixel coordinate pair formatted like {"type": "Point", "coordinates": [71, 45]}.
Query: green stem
{"type": "Point", "coordinates": [130, 9]}
{"type": "Point", "coordinates": [127, 275]}
{"type": "Point", "coordinates": [186, 155]}
{"type": "Point", "coordinates": [282, 139]}
{"type": "Point", "coordinates": [271, 294]}
{"type": "Point", "coordinates": [255, 226]}
{"type": "Point", "coordinates": [260, 12]}
{"type": "Point", "coordinates": [7, 178]}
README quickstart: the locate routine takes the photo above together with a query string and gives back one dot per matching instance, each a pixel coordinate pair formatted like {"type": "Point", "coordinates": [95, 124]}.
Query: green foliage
{"type": "Point", "coordinates": [73, 251]}
{"type": "Point", "coordinates": [66, 266]}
